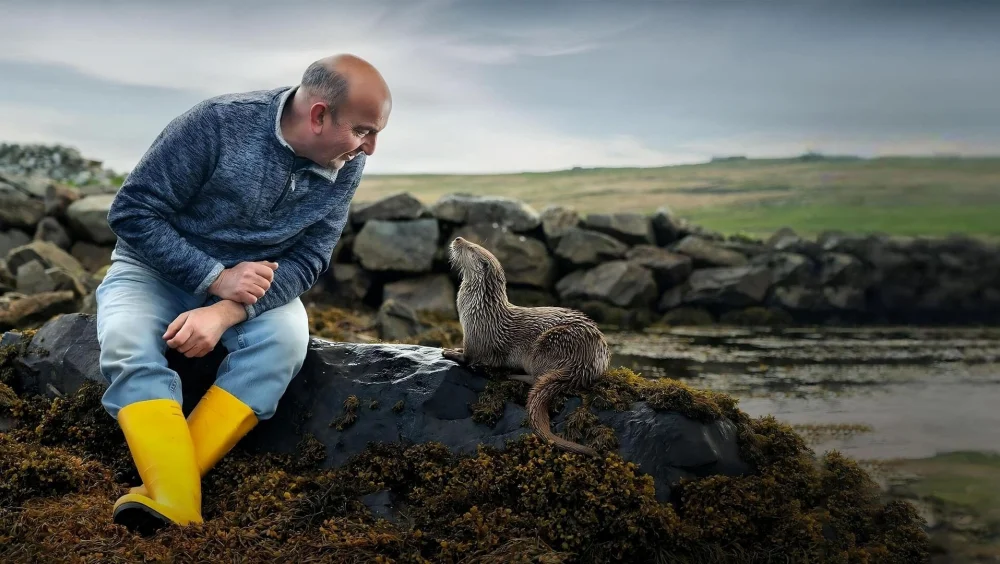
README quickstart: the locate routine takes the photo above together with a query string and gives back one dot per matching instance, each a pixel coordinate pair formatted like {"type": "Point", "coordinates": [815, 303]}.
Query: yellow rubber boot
{"type": "Point", "coordinates": [161, 447]}
{"type": "Point", "coordinates": [217, 423]}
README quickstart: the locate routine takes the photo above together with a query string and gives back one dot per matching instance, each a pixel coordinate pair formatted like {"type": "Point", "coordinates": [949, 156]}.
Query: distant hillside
{"type": "Point", "coordinates": [811, 193]}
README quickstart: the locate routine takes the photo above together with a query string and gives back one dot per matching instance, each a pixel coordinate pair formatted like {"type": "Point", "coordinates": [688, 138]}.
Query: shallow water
{"type": "Point", "coordinates": [870, 393]}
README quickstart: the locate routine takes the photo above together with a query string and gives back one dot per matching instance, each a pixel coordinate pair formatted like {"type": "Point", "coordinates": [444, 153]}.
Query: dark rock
{"type": "Point", "coordinates": [530, 297]}
{"type": "Point", "coordinates": [401, 246]}
{"type": "Point", "coordinates": [786, 240]}
{"type": "Point", "coordinates": [847, 298]}
{"type": "Point", "coordinates": [435, 395]}
{"type": "Point", "coordinates": [11, 239]}
{"type": "Point", "coordinates": [556, 222]}
{"type": "Point", "coordinates": [787, 268]}
{"type": "Point", "coordinates": [50, 256]}
{"type": "Point", "coordinates": [525, 260]}
{"type": "Point", "coordinates": [706, 254]}
{"type": "Point", "coordinates": [397, 206]}
{"type": "Point", "coordinates": [89, 218]}
{"type": "Point", "coordinates": [470, 209]}
{"type": "Point", "coordinates": [629, 228]}
{"type": "Point", "coordinates": [432, 293]}
{"type": "Point", "coordinates": [611, 316]}
{"type": "Point", "coordinates": [343, 251]}
{"type": "Point", "coordinates": [348, 284]}
{"type": "Point", "coordinates": [20, 207]}
{"type": "Point", "coordinates": [666, 227]}
{"type": "Point", "coordinates": [620, 283]}
{"type": "Point", "coordinates": [49, 229]}
{"type": "Point", "coordinates": [739, 286]}
{"type": "Point", "coordinates": [32, 279]}
{"type": "Point", "coordinates": [841, 269]}
{"type": "Point", "coordinates": [896, 298]}
{"type": "Point", "coordinates": [799, 298]}
{"type": "Point", "coordinates": [687, 317]}
{"type": "Point", "coordinates": [7, 279]}
{"type": "Point", "coordinates": [783, 239]}
{"type": "Point", "coordinates": [672, 298]}
{"type": "Point", "coordinates": [396, 321]}
{"type": "Point", "coordinates": [748, 249]}
{"type": "Point", "coordinates": [669, 269]}
{"type": "Point", "coordinates": [861, 246]}
{"type": "Point", "coordinates": [58, 198]}
{"type": "Point", "coordinates": [583, 248]}
{"type": "Point", "coordinates": [92, 257]}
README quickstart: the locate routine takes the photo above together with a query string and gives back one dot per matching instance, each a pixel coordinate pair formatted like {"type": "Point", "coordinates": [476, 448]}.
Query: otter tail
{"type": "Point", "coordinates": [546, 388]}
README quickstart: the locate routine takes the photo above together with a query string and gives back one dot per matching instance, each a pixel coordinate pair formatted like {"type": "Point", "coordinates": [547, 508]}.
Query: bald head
{"type": "Point", "coordinates": [342, 105]}
{"type": "Point", "coordinates": [338, 79]}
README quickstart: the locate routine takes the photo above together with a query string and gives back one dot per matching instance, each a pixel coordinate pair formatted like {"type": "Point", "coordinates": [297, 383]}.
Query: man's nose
{"type": "Point", "coordinates": [369, 145]}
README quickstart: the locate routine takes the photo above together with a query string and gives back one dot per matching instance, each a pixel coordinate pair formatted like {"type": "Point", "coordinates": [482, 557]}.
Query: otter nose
{"type": "Point", "coordinates": [459, 240]}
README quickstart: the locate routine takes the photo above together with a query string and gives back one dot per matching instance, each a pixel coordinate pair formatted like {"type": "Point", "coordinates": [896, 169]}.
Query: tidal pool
{"type": "Point", "coordinates": [880, 393]}
{"type": "Point", "coordinates": [920, 408]}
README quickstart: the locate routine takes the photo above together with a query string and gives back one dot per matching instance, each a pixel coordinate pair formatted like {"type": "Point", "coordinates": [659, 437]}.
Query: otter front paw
{"type": "Point", "coordinates": [455, 355]}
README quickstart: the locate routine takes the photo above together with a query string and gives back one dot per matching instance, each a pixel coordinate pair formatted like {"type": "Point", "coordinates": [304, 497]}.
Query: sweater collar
{"type": "Point", "coordinates": [327, 173]}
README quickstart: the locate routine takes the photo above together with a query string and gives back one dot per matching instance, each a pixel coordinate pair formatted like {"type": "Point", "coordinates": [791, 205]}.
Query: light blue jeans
{"type": "Point", "coordinates": [134, 307]}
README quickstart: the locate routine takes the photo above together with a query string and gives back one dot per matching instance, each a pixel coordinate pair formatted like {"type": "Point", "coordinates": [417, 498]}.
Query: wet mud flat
{"type": "Point", "coordinates": [919, 406]}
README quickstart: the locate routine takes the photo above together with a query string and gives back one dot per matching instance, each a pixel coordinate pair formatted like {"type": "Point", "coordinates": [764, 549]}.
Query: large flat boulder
{"type": "Point", "coordinates": [628, 227]}
{"type": "Point", "coordinates": [622, 283]}
{"type": "Point", "coordinates": [348, 395]}
{"type": "Point", "coordinates": [525, 260]}
{"type": "Point", "coordinates": [401, 205]}
{"type": "Point", "coordinates": [89, 218]}
{"type": "Point", "coordinates": [584, 248]}
{"type": "Point", "coordinates": [402, 246]}
{"type": "Point", "coordinates": [470, 208]}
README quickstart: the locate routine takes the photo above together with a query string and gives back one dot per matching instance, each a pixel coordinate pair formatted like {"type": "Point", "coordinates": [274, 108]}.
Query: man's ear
{"type": "Point", "coordinates": [318, 117]}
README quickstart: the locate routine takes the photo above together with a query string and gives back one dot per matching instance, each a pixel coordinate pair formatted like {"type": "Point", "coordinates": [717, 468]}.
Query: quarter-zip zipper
{"type": "Point", "coordinates": [289, 181]}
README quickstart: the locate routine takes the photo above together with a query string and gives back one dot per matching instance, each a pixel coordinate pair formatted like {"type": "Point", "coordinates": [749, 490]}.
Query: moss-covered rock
{"type": "Point", "coordinates": [517, 501]}
{"type": "Point", "coordinates": [527, 502]}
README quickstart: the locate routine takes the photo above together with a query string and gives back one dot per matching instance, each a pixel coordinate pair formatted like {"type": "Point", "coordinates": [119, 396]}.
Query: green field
{"type": "Point", "coordinates": [904, 196]}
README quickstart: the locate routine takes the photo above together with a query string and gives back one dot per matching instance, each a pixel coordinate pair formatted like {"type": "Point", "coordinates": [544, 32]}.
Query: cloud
{"type": "Point", "coordinates": [444, 116]}
{"type": "Point", "coordinates": [485, 87]}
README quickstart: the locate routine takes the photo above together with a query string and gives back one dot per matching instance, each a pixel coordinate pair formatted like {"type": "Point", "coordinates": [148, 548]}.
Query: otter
{"type": "Point", "coordinates": [560, 349]}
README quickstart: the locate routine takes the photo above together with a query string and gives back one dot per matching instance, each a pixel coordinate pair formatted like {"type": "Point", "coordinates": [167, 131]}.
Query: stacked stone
{"type": "Point", "coordinates": [632, 269]}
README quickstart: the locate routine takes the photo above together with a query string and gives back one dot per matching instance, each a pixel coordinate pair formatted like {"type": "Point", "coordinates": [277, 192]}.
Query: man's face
{"type": "Point", "coordinates": [352, 131]}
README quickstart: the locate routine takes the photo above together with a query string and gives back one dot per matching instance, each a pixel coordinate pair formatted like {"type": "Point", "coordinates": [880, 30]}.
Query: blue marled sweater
{"type": "Point", "coordinates": [220, 186]}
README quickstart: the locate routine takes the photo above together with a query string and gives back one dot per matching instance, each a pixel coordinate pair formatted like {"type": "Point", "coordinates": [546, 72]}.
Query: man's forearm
{"type": "Point", "coordinates": [232, 312]}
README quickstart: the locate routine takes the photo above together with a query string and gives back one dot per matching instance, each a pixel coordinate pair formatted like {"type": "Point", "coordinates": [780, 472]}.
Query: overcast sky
{"type": "Point", "coordinates": [483, 86]}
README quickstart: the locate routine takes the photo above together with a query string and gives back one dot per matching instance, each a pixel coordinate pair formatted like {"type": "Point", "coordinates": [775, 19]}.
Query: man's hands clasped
{"type": "Point", "coordinates": [244, 283]}
{"type": "Point", "coordinates": [195, 333]}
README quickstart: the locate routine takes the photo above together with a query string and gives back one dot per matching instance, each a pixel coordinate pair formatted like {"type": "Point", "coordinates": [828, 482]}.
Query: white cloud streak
{"type": "Point", "coordinates": [444, 118]}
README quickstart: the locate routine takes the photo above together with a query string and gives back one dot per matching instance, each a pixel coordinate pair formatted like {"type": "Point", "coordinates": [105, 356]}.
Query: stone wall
{"type": "Point", "coordinates": [625, 269]}
{"type": "Point", "coordinates": [633, 269]}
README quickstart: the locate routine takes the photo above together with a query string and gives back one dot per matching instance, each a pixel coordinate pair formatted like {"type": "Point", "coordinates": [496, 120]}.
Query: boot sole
{"type": "Point", "coordinates": [140, 518]}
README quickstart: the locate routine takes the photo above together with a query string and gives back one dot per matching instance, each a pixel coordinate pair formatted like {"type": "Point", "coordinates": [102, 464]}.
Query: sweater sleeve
{"type": "Point", "coordinates": [171, 173]}
{"type": "Point", "coordinates": [300, 267]}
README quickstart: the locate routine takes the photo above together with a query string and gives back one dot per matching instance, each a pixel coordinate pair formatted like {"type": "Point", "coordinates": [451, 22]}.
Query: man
{"type": "Point", "coordinates": [228, 218]}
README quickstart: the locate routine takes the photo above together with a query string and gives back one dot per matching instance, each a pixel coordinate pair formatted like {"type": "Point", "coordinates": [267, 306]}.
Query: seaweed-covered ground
{"type": "Point", "coordinates": [915, 406]}
{"type": "Point", "coordinates": [65, 462]}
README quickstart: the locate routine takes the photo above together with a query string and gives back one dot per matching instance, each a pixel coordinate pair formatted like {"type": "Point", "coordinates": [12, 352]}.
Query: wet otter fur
{"type": "Point", "coordinates": [561, 350]}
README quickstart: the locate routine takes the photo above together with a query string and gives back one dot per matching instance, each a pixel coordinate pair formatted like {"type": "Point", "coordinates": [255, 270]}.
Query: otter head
{"type": "Point", "coordinates": [475, 264]}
